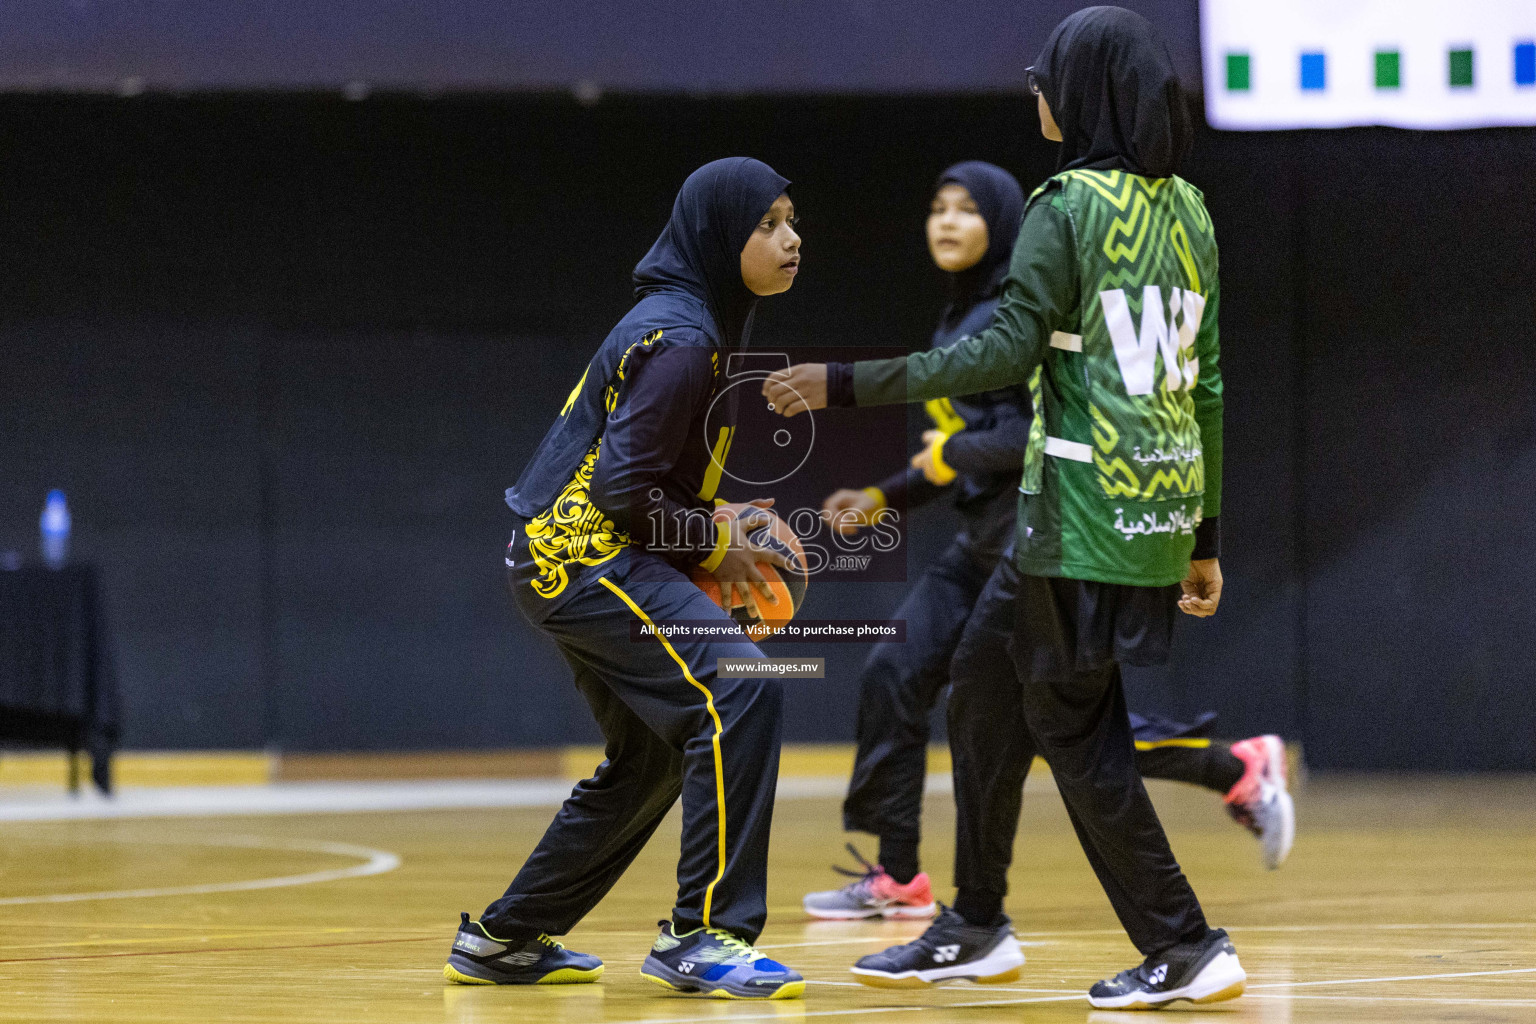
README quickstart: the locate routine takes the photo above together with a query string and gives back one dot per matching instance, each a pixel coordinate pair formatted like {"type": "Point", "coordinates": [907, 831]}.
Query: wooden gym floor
{"type": "Point", "coordinates": [1405, 901]}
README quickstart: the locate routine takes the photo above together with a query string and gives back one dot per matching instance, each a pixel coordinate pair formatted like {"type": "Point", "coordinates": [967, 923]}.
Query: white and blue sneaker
{"type": "Point", "coordinates": [1201, 972]}
{"type": "Point", "coordinates": [713, 962]}
{"type": "Point", "coordinates": [479, 958]}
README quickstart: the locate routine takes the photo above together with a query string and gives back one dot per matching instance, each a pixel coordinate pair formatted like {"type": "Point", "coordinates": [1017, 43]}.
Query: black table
{"type": "Point", "coordinates": [58, 686]}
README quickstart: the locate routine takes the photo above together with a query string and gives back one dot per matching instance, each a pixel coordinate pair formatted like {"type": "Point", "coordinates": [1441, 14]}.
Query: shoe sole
{"type": "Point", "coordinates": [1003, 964]}
{"type": "Point", "coordinates": [788, 990]}
{"type": "Point", "coordinates": [894, 913]}
{"type": "Point", "coordinates": [1275, 852]}
{"type": "Point", "coordinates": [458, 971]}
{"type": "Point", "coordinates": [1221, 979]}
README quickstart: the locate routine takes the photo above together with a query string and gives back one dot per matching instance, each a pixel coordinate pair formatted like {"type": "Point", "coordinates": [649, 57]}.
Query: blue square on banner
{"type": "Point", "coordinates": [1525, 63]}
{"type": "Point", "coordinates": [1314, 71]}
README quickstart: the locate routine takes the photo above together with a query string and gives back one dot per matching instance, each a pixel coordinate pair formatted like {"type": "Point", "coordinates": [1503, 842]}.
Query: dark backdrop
{"type": "Point", "coordinates": [783, 46]}
{"type": "Point", "coordinates": [285, 352]}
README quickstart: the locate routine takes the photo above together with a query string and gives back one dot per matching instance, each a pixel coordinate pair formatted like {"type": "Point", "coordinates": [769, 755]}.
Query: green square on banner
{"type": "Point", "coordinates": [1389, 69]}
{"type": "Point", "coordinates": [1237, 72]}
{"type": "Point", "coordinates": [1461, 69]}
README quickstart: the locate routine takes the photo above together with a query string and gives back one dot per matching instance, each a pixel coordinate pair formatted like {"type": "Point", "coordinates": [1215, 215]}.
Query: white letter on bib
{"type": "Point", "coordinates": [1137, 355]}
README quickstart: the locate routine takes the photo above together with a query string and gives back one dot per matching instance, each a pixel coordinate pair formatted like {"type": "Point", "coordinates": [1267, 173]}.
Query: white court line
{"type": "Point", "coordinates": [1298, 984]}
{"type": "Point", "coordinates": [864, 1011]}
{"type": "Point", "coordinates": [1401, 977]}
{"type": "Point", "coordinates": [889, 940]}
{"type": "Point", "coordinates": [375, 862]}
{"type": "Point", "coordinates": [1463, 926]}
{"type": "Point", "coordinates": [1230, 928]}
{"type": "Point", "coordinates": [34, 804]}
{"type": "Point", "coordinates": [285, 798]}
{"type": "Point", "coordinates": [1438, 1000]}
{"type": "Point", "coordinates": [829, 942]}
{"type": "Point", "coordinates": [990, 988]}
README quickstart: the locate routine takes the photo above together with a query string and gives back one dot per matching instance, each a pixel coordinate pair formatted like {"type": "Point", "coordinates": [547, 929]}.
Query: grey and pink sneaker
{"type": "Point", "coordinates": [873, 894]}
{"type": "Point", "coordinates": [1260, 801]}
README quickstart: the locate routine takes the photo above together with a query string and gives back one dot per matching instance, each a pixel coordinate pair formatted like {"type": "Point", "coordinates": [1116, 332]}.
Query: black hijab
{"type": "Point", "coordinates": [1001, 202]}
{"type": "Point", "coordinates": [699, 251]}
{"type": "Point", "coordinates": [1111, 86]}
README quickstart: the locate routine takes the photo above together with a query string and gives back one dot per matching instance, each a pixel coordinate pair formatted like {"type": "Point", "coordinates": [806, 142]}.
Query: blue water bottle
{"type": "Point", "coordinates": [54, 526]}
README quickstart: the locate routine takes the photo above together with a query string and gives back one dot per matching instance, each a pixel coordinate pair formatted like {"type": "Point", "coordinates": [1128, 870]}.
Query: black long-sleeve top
{"type": "Point", "coordinates": [652, 473]}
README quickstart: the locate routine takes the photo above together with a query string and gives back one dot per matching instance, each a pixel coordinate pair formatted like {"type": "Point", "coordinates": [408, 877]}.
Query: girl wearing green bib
{"type": "Point", "coordinates": [1109, 312]}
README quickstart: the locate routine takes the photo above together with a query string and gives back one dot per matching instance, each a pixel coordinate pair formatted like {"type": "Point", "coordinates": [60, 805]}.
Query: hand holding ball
{"type": "Point", "coordinates": [762, 579]}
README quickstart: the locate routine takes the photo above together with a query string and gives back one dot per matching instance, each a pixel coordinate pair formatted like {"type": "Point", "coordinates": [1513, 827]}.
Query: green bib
{"type": "Point", "coordinates": [1114, 477]}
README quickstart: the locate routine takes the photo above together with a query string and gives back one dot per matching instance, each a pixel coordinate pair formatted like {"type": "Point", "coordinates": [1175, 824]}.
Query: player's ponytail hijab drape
{"type": "Point", "coordinates": [699, 251]}
{"type": "Point", "coordinates": [1111, 86]}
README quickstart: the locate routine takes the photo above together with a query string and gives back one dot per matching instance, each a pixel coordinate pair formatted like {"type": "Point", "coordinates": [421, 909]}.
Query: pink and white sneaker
{"type": "Point", "coordinates": [874, 894]}
{"type": "Point", "coordinates": [1260, 801]}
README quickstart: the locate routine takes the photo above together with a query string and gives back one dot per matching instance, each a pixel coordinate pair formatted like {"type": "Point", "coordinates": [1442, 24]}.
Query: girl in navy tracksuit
{"type": "Point", "coordinates": [615, 508]}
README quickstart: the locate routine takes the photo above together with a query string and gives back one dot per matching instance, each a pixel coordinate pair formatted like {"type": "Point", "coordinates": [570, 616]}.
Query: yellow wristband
{"type": "Point", "coordinates": [941, 470]}
{"type": "Point", "coordinates": [877, 496]}
{"type": "Point", "coordinates": [722, 540]}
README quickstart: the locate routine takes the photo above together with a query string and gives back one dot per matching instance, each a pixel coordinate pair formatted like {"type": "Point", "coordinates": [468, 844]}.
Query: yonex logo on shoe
{"type": "Point", "coordinates": [476, 945]}
{"type": "Point", "coordinates": [686, 967]}
{"type": "Point", "coordinates": [946, 953]}
{"type": "Point", "coordinates": [1159, 974]}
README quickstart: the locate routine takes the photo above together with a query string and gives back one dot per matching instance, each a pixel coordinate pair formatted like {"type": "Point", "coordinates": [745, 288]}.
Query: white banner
{"type": "Point", "coordinates": [1331, 63]}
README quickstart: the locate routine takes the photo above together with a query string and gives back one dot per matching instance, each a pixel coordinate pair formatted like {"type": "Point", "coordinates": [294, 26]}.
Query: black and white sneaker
{"type": "Point", "coordinates": [949, 950]}
{"type": "Point", "coordinates": [1202, 972]}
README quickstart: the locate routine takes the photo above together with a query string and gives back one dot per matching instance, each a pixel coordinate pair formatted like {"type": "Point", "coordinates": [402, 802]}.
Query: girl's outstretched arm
{"type": "Point", "coordinates": [1040, 295]}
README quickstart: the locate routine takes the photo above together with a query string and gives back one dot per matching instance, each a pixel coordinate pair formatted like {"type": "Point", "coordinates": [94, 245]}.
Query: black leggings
{"type": "Point", "coordinates": [901, 683]}
{"type": "Point", "coordinates": [1000, 716]}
